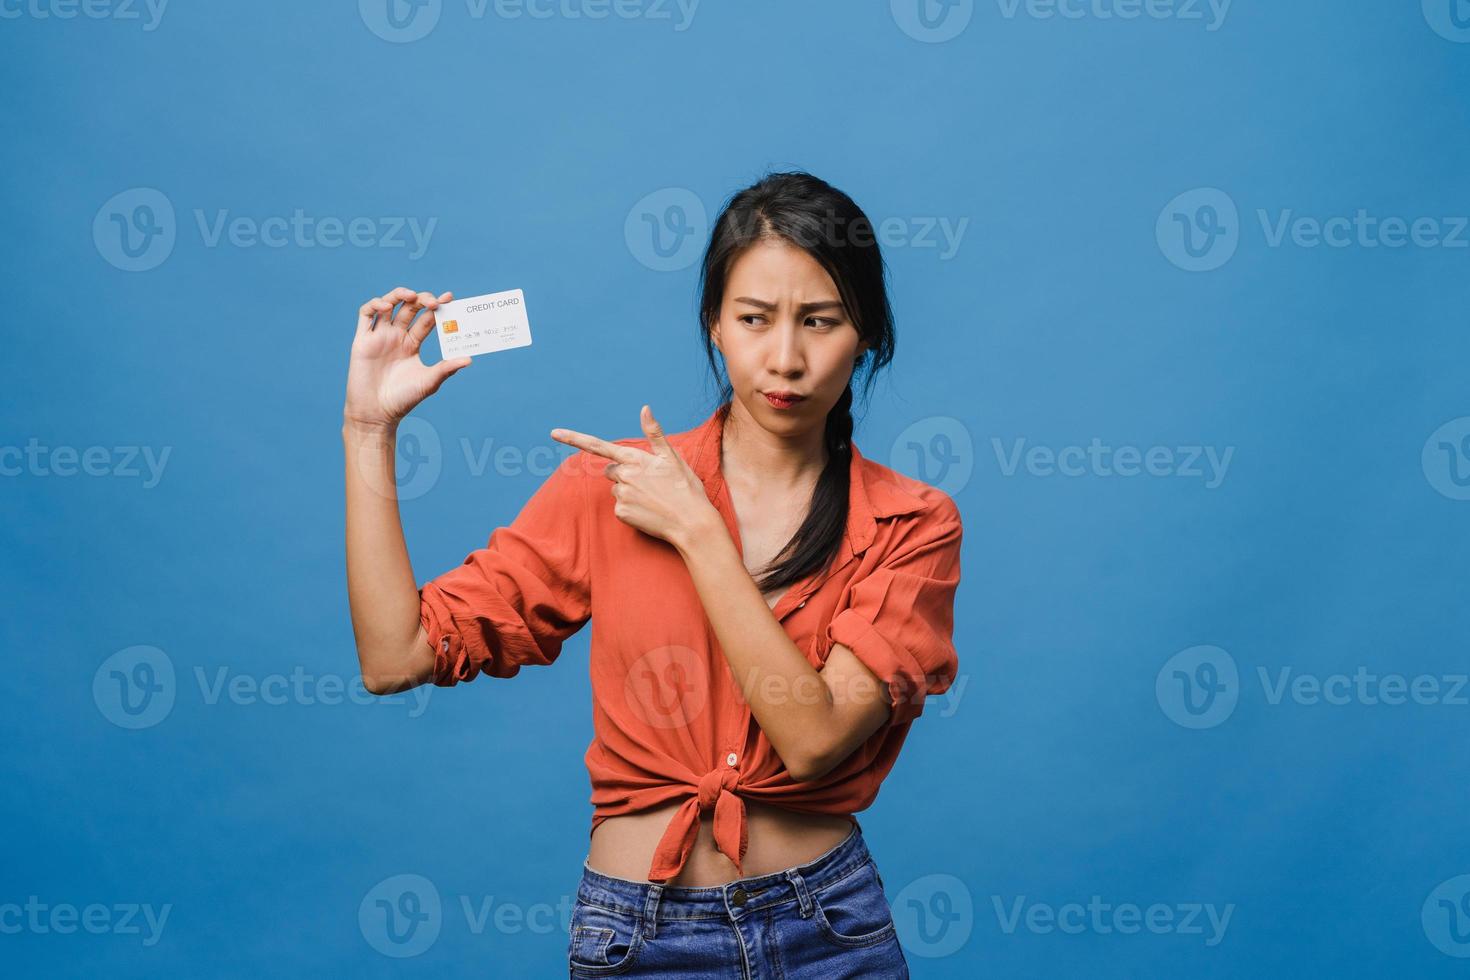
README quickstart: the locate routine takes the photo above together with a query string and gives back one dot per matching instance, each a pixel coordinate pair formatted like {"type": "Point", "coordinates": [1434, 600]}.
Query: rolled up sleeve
{"type": "Point", "coordinates": [515, 601]}
{"type": "Point", "coordinates": [899, 621]}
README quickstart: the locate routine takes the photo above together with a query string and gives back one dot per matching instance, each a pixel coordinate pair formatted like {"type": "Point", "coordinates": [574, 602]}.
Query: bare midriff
{"type": "Point", "coordinates": [776, 839]}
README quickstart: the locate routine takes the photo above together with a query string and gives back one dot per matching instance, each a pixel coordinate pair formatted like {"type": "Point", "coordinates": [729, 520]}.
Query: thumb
{"type": "Point", "coordinates": [651, 429]}
{"type": "Point", "coordinates": [655, 434]}
{"type": "Point", "coordinates": [445, 368]}
{"type": "Point", "coordinates": [438, 373]}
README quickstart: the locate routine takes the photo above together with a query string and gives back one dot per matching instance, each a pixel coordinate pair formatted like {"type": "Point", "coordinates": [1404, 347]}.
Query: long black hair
{"type": "Point", "coordinates": [812, 215]}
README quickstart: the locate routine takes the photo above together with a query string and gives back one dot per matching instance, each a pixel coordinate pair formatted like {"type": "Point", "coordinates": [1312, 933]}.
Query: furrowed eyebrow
{"type": "Point", "coordinates": [826, 304]}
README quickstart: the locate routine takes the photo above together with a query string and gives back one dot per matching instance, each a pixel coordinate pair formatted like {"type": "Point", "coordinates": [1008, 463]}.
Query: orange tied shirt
{"type": "Point", "coordinates": [669, 720]}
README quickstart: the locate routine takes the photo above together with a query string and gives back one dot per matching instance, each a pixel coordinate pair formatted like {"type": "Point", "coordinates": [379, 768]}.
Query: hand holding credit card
{"type": "Point", "coordinates": [483, 324]}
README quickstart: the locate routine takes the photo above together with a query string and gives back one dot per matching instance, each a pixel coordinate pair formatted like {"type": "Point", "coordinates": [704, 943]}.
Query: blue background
{"type": "Point", "coordinates": [1063, 316]}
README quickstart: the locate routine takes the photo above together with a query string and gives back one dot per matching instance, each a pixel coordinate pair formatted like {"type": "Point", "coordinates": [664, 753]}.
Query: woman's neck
{"type": "Point", "coordinates": [752, 454]}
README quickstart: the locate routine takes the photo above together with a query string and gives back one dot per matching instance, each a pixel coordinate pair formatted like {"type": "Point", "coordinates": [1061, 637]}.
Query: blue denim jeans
{"type": "Point", "coordinates": [825, 919]}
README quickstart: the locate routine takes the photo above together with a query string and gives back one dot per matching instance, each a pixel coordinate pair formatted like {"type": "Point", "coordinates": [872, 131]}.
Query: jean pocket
{"type": "Point", "coordinates": [603, 942]}
{"type": "Point", "coordinates": [854, 912]}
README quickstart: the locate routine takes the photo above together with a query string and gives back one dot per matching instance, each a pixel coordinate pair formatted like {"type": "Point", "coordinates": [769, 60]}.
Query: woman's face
{"type": "Point", "coordinates": [782, 328]}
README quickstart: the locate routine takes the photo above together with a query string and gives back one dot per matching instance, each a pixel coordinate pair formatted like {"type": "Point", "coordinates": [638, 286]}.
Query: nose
{"type": "Point", "coordinates": [787, 358]}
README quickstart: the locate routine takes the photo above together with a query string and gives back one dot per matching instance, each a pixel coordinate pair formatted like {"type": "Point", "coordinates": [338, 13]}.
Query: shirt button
{"type": "Point", "coordinates": [800, 604]}
{"type": "Point", "coordinates": [731, 759]}
{"type": "Point", "coordinates": [737, 897]}
{"type": "Point", "coordinates": [445, 645]}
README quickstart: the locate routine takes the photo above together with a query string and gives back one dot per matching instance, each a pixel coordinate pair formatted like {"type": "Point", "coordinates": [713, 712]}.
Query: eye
{"type": "Point", "coordinates": [821, 321]}
{"type": "Point", "coordinates": [751, 316]}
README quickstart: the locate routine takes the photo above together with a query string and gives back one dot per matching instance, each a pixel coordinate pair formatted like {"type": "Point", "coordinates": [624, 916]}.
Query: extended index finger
{"type": "Point", "coordinates": [592, 444]}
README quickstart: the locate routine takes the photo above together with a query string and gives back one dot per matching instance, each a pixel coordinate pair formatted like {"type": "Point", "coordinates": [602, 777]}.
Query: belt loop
{"type": "Point", "coordinates": [650, 909]}
{"type": "Point", "coordinates": [803, 899]}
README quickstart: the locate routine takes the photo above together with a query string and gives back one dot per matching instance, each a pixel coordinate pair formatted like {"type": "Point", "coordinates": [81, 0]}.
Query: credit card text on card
{"type": "Point", "coordinates": [483, 324]}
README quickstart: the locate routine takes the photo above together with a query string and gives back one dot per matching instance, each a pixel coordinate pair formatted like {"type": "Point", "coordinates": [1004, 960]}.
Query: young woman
{"type": "Point", "coordinates": [769, 608]}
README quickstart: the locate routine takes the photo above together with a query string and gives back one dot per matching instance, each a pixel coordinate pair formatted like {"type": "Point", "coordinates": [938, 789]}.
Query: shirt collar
{"type": "Point", "coordinates": [872, 492]}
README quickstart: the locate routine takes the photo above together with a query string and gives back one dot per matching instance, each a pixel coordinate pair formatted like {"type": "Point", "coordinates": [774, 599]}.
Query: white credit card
{"type": "Point", "coordinates": [483, 324]}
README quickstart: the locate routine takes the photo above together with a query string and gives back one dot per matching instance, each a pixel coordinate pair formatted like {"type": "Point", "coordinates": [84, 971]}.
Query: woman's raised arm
{"type": "Point", "coordinates": [385, 380]}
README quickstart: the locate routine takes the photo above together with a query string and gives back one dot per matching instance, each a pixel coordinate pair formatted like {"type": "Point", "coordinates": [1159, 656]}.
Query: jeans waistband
{"type": "Point", "coordinates": [652, 902]}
